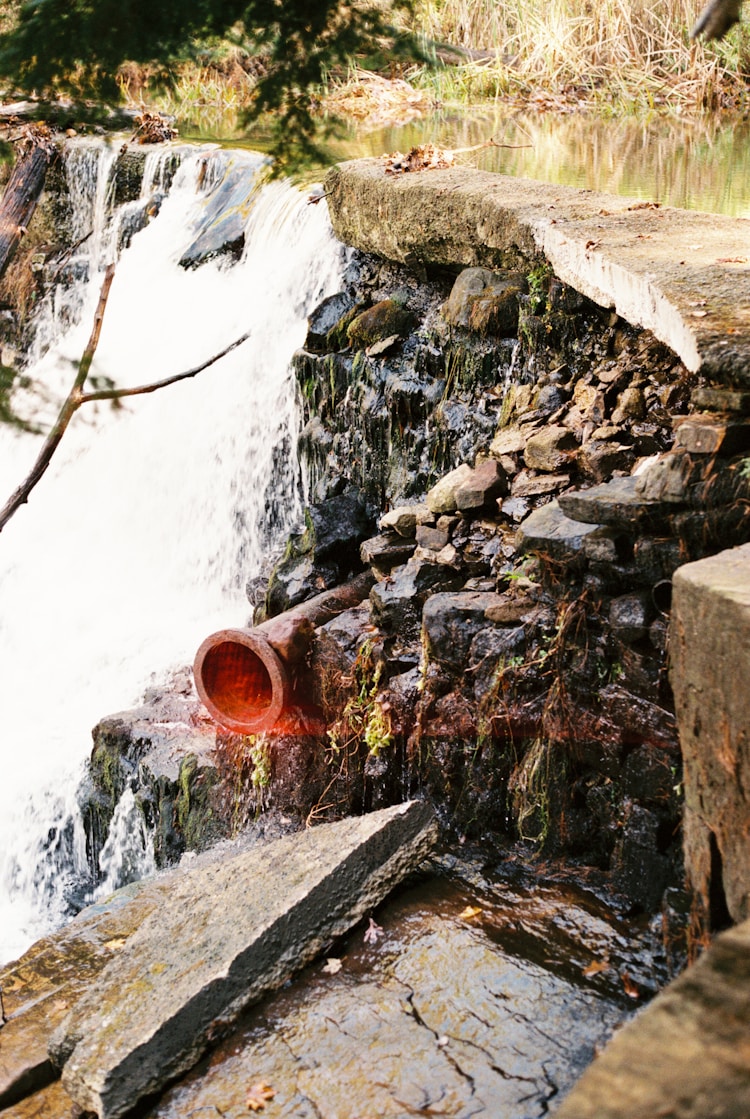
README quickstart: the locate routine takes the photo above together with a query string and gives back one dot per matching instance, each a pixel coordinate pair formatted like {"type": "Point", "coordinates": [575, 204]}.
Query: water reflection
{"type": "Point", "coordinates": [697, 163]}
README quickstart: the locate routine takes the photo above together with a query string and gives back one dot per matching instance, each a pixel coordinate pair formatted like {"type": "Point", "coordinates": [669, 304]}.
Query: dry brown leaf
{"type": "Point", "coordinates": [259, 1095]}
{"type": "Point", "coordinates": [731, 260]}
{"type": "Point", "coordinates": [596, 966]}
{"type": "Point", "coordinates": [631, 988]}
{"type": "Point", "coordinates": [425, 157]}
{"type": "Point", "coordinates": [469, 912]}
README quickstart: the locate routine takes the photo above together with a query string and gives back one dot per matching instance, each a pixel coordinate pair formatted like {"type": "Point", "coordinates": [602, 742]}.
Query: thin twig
{"type": "Point", "coordinates": [141, 390]}
{"type": "Point", "coordinates": [76, 397]}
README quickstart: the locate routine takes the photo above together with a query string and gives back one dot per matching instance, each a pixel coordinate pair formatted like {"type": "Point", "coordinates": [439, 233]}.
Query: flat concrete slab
{"type": "Point", "coordinates": [229, 932]}
{"type": "Point", "coordinates": [681, 274]}
{"type": "Point", "coordinates": [687, 1055]}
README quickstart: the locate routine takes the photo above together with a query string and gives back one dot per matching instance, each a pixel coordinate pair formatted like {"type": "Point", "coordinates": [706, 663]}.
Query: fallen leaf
{"type": "Point", "coordinates": [592, 244]}
{"type": "Point", "coordinates": [259, 1095]}
{"type": "Point", "coordinates": [645, 206]}
{"type": "Point", "coordinates": [731, 260]}
{"type": "Point", "coordinates": [697, 302]}
{"type": "Point", "coordinates": [332, 965]}
{"type": "Point", "coordinates": [699, 314]}
{"type": "Point", "coordinates": [469, 912]}
{"type": "Point", "coordinates": [372, 932]}
{"type": "Point", "coordinates": [631, 989]}
{"type": "Point", "coordinates": [115, 942]}
{"type": "Point", "coordinates": [596, 966]}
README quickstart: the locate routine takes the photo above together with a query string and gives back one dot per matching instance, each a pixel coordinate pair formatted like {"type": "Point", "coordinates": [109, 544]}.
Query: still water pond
{"type": "Point", "coordinates": [697, 163]}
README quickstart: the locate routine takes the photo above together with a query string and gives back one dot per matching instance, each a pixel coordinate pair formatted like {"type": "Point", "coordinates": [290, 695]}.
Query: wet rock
{"type": "Point", "coordinates": [616, 503]}
{"type": "Point", "coordinates": [548, 531]}
{"type": "Point", "coordinates": [711, 435]}
{"type": "Point", "coordinates": [480, 490]}
{"type": "Point", "coordinates": [442, 497]}
{"type": "Point", "coordinates": [640, 871]}
{"type": "Point", "coordinates": [220, 231]}
{"type": "Point", "coordinates": [323, 321]}
{"type": "Point", "coordinates": [550, 449]}
{"type": "Point", "coordinates": [640, 720]}
{"type": "Point", "coordinates": [485, 301]}
{"type": "Point", "coordinates": [397, 602]}
{"type": "Point", "coordinates": [385, 552]}
{"type": "Point", "coordinates": [217, 945]}
{"type": "Point", "coordinates": [630, 616]}
{"type": "Point", "coordinates": [600, 459]}
{"type": "Point", "coordinates": [667, 479]}
{"type": "Point", "coordinates": [451, 621]}
{"type": "Point", "coordinates": [490, 650]}
{"type": "Point", "coordinates": [387, 318]}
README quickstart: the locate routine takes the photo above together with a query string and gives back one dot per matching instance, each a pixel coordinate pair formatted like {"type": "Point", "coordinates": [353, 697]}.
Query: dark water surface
{"type": "Point", "coordinates": [483, 989]}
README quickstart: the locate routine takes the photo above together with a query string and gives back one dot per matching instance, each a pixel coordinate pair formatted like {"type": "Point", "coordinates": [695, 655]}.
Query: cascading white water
{"type": "Point", "coordinates": [139, 540]}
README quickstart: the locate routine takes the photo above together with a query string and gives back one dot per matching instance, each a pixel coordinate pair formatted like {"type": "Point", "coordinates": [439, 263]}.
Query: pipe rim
{"type": "Point", "coordinates": [269, 714]}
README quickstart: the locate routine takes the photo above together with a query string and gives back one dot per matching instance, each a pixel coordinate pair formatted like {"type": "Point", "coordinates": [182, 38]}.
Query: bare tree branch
{"type": "Point", "coordinates": [141, 390]}
{"type": "Point", "coordinates": [76, 397]}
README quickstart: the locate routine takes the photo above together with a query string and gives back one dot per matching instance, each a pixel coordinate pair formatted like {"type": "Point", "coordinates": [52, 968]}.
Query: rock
{"type": "Point", "coordinates": [713, 399]}
{"type": "Point", "coordinates": [640, 720]}
{"type": "Point", "coordinates": [711, 434]}
{"type": "Point", "coordinates": [551, 448]}
{"type": "Point", "coordinates": [385, 552]}
{"type": "Point", "coordinates": [433, 539]}
{"type": "Point", "coordinates": [616, 503]}
{"type": "Point", "coordinates": [630, 405]}
{"type": "Point", "coordinates": [600, 459]}
{"type": "Point", "coordinates": [220, 231]}
{"type": "Point", "coordinates": [485, 301]}
{"type": "Point", "coordinates": [226, 935]}
{"type": "Point", "coordinates": [482, 487]}
{"type": "Point", "coordinates": [324, 319]}
{"type": "Point", "coordinates": [709, 636]}
{"type": "Point", "coordinates": [639, 870]}
{"type": "Point", "coordinates": [451, 621]}
{"type": "Point", "coordinates": [442, 497]}
{"type": "Point", "coordinates": [667, 479]}
{"type": "Point", "coordinates": [405, 518]}
{"type": "Point", "coordinates": [549, 532]}
{"type": "Point", "coordinates": [630, 616]}
{"type": "Point", "coordinates": [508, 441]}
{"type": "Point", "coordinates": [491, 649]}
{"type": "Point", "coordinates": [397, 601]}
{"type": "Point", "coordinates": [527, 485]}
{"type": "Point", "coordinates": [382, 321]}
{"type": "Point", "coordinates": [679, 1056]}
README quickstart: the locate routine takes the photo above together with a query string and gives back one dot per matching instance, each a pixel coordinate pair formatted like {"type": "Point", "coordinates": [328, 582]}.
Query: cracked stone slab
{"type": "Point", "coordinates": [228, 933]}
{"type": "Point", "coordinates": [681, 274]}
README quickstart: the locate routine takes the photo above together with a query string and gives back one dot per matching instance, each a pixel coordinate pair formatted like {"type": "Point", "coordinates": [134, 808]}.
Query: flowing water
{"type": "Point", "coordinates": [140, 538]}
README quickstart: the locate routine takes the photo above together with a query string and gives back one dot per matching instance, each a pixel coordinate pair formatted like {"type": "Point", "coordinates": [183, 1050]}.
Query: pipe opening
{"type": "Point", "coordinates": [241, 680]}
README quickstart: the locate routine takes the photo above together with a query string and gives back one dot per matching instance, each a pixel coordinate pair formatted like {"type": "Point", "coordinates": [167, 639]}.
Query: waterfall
{"type": "Point", "coordinates": [141, 536]}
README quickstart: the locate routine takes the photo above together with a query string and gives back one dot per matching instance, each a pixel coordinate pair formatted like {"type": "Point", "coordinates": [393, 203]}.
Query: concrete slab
{"type": "Point", "coordinates": [687, 1055]}
{"type": "Point", "coordinates": [681, 274]}
{"type": "Point", "coordinates": [230, 931]}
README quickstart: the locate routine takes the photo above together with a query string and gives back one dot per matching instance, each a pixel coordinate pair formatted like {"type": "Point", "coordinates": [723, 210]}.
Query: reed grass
{"type": "Point", "coordinates": [614, 54]}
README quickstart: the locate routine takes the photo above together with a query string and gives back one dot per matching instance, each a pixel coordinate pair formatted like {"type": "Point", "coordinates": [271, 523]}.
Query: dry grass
{"type": "Point", "coordinates": [560, 53]}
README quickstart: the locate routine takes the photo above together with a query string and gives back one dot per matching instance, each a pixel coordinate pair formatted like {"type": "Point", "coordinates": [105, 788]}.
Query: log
{"type": "Point", "coordinates": [21, 196]}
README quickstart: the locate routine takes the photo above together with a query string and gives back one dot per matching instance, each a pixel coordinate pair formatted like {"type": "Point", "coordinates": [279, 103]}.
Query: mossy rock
{"type": "Point", "coordinates": [383, 320]}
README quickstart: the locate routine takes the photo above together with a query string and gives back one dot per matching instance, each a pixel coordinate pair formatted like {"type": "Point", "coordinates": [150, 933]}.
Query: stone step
{"type": "Point", "coordinates": [229, 932]}
{"type": "Point", "coordinates": [711, 434]}
{"type": "Point", "coordinates": [618, 504]}
{"type": "Point", "coordinates": [550, 532]}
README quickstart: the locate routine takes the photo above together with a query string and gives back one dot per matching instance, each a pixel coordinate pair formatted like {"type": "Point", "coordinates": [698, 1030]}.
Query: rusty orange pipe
{"type": "Point", "coordinates": [244, 676]}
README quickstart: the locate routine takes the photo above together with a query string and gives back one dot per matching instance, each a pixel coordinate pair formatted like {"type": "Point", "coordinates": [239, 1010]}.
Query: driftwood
{"type": "Point", "coordinates": [22, 192]}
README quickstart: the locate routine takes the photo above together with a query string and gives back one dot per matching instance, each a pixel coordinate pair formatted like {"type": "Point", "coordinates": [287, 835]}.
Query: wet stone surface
{"type": "Point", "coordinates": [474, 995]}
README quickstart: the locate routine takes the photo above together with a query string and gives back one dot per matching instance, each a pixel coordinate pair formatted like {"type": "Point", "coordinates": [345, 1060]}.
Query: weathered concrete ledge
{"type": "Point", "coordinates": [687, 1055]}
{"type": "Point", "coordinates": [683, 275]}
{"type": "Point", "coordinates": [709, 646]}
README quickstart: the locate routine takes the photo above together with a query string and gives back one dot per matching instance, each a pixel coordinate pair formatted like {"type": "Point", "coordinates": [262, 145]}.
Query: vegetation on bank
{"type": "Point", "coordinates": [618, 57]}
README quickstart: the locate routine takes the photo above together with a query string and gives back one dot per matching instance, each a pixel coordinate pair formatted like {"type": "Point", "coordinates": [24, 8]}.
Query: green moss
{"type": "Point", "coordinates": [379, 322]}
{"type": "Point", "coordinates": [194, 810]}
